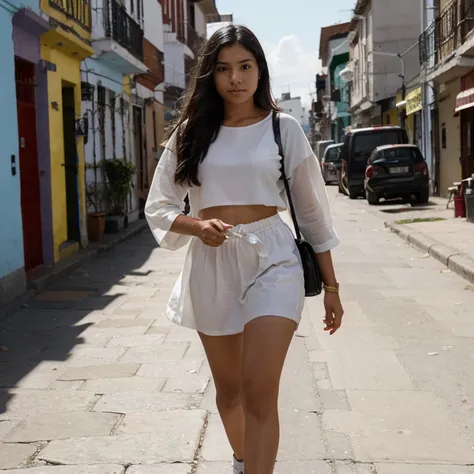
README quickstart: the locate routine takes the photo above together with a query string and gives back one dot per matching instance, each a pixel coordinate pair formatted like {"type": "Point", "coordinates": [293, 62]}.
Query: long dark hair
{"type": "Point", "coordinates": [203, 113]}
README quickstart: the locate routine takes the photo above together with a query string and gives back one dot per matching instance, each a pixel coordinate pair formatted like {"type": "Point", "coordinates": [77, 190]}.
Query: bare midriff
{"type": "Point", "coordinates": [235, 215]}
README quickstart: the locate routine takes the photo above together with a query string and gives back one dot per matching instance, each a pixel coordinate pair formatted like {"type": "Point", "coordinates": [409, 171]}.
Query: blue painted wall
{"type": "Point", "coordinates": [341, 84]}
{"type": "Point", "coordinates": [17, 4]}
{"type": "Point", "coordinates": [11, 236]}
{"type": "Point", "coordinates": [95, 70]}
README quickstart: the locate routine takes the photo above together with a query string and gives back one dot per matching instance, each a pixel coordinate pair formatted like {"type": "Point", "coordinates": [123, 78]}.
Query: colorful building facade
{"type": "Point", "coordinates": [63, 47]}
{"type": "Point", "coordinates": [25, 241]}
{"type": "Point", "coordinates": [107, 82]}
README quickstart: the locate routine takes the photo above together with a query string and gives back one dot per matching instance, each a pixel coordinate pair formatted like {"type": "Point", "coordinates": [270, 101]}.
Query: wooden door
{"type": "Point", "coordinates": [139, 155]}
{"type": "Point", "coordinates": [29, 169]}
{"type": "Point", "coordinates": [467, 159]}
{"type": "Point", "coordinates": [71, 165]}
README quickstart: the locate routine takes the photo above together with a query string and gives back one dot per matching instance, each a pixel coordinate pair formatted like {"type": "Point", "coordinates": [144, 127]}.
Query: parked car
{"type": "Point", "coordinates": [330, 163]}
{"type": "Point", "coordinates": [397, 171]}
{"type": "Point", "coordinates": [357, 148]}
{"type": "Point", "coordinates": [321, 148]}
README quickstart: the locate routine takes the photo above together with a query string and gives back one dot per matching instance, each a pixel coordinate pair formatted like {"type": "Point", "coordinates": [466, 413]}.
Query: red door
{"type": "Point", "coordinates": [29, 171]}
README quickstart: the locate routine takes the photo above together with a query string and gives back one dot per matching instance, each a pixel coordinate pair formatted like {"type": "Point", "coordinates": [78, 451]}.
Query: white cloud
{"type": "Point", "coordinates": [292, 69]}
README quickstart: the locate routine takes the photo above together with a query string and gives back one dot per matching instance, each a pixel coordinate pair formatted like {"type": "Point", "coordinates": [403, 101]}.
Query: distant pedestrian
{"type": "Point", "coordinates": [243, 286]}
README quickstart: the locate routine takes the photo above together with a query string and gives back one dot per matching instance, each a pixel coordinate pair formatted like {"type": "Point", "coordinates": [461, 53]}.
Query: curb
{"type": "Point", "coordinates": [65, 268]}
{"type": "Point", "coordinates": [452, 258]}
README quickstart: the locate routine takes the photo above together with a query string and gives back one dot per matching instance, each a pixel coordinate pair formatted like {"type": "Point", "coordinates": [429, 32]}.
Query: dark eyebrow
{"type": "Point", "coordinates": [240, 62]}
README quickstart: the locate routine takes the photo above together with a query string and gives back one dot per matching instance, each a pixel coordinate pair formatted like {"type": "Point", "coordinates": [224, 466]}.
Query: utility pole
{"type": "Point", "coordinates": [403, 113]}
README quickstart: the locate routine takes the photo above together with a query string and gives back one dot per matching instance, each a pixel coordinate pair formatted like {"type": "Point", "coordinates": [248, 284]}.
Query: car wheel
{"type": "Point", "coordinates": [423, 197]}
{"type": "Point", "coordinates": [353, 194]}
{"type": "Point", "coordinates": [372, 198]}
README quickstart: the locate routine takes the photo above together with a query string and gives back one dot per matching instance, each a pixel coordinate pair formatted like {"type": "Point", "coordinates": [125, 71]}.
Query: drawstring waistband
{"type": "Point", "coordinates": [260, 225]}
{"type": "Point", "coordinates": [247, 232]}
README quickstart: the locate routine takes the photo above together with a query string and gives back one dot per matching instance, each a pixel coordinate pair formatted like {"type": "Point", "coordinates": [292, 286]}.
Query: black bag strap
{"type": "Point", "coordinates": [277, 134]}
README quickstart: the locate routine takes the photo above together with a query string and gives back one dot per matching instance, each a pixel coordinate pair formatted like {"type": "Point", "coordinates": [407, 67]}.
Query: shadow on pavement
{"type": "Point", "coordinates": [43, 333]}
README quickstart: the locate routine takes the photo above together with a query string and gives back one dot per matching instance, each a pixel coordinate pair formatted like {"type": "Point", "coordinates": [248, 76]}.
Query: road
{"type": "Point", "coordinates": [95, 374]}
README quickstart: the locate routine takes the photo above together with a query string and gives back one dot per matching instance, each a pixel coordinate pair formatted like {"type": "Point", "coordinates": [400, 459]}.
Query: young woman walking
{"type": "Point", "coordinates": [242, 286]}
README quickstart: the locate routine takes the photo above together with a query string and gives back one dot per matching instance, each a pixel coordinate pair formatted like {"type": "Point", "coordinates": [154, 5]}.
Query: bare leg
{"type": "Point", "coordinates": [224, 354]}
{"type": "Point", "coordinates": [266, 342]}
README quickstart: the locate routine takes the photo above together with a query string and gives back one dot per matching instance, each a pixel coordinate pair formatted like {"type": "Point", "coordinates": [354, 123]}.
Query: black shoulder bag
{"type": "Point", "coordinates": [312, 276]}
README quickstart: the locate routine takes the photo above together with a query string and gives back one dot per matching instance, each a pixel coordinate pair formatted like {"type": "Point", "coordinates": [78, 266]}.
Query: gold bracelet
{"type": "Point", "coordinates": [331, 289]}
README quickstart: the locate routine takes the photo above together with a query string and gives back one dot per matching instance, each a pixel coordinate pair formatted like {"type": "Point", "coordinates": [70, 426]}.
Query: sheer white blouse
{"type": "Point", "coordinates": [242, 167]}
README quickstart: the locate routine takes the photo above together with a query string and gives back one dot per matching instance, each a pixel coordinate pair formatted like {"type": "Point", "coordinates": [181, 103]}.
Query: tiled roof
{"type": "Point", "coordinates": [328, 32]}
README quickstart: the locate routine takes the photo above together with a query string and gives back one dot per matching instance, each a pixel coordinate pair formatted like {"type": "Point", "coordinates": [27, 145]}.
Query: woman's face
{"type": "Point", "coordinates": [236, 74]}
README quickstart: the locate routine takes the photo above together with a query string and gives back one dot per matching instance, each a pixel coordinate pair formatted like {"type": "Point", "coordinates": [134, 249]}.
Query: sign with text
{"type": "Point", "coordinates": [414, 101]}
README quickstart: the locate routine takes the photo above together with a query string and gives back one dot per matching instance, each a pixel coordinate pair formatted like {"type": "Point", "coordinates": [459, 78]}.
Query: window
{"type": "Point", "coordinates": [365, 143]}
{"type": "Point", "coordinates": [112, 99]}
{"type": "Point", "coordinates": [155, 145]}
{"type": "Point", "coordinates": [101, 95]}
{"type": "Point", "coordinates": [192, 15]}
{"type": "Point", "coordinates": [401, 154]}
{"type": "Point", "coordinates": [443, 136]}
{"type": "Point", "coordinates": [332, 154]}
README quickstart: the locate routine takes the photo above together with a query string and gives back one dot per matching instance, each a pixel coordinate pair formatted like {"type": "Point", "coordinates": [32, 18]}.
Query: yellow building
{"type": "Point", "coordinates": [391, 117]}
{"type": "Point", "coordinates": [63, 48]}
{"type": "Point", "coordinates": [412, 107]}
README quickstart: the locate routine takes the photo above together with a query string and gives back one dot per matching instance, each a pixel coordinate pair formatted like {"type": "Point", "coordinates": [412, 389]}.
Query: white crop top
{"type": "Point", "coordinates": [242, 167]}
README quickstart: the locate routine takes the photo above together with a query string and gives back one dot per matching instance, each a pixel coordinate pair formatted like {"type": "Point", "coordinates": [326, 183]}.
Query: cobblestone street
{"type": "Point", "coordinates": [95, 374]}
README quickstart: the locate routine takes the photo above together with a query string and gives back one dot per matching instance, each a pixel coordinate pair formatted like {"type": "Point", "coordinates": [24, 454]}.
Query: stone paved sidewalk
{"type": "Point", "coordinates": [432, 229]}
{"type": "Point", "coordinates": [97, 381]}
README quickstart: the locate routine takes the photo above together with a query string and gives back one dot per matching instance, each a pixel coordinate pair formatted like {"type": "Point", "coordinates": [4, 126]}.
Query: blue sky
{"type": "Point", "coordinates": [289, 31]}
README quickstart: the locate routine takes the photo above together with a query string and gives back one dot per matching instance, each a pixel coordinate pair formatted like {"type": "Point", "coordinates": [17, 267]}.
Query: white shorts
{"type": "Point", "coordinates": [221, 289]}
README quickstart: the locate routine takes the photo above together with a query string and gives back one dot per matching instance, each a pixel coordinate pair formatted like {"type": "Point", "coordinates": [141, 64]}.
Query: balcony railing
{"type": "Point", "coordinates": [448, 30]}
{"type": "Point", "coordinates": [77, 10]}
{"type": "Point", "coordinates": [429, 45]}
{"type": "Point", "coordinates": [121, 27]}
{"type": "Point", "coordinates": [447, 33]}
{"type": "Point", "coordinates": [466, 22]}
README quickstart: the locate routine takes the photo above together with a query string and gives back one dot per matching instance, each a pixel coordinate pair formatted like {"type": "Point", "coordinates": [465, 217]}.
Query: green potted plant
{"type": "Point", "coordinates": [96, 198]}
{"type": "Point", "coordinates": [119, 174]}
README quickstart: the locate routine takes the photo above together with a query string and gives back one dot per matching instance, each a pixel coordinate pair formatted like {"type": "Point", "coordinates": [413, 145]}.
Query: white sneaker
{"type": "Point", "coordinates": [238, 466]}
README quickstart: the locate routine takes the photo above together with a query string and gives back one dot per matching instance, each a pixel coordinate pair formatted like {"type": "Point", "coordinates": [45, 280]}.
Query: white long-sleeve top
{"type": "Point", "coordinates": [242, 167]}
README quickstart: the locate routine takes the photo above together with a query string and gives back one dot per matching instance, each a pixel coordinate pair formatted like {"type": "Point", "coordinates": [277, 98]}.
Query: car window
{"type": "Point", "coordinates": [343, 155]}
{"type": "Point", "coordinates": [365, 143]}
{"type": "Point", "coordinates": [400, 154]}
{"type": "Point", "coordinates": [332, 154]}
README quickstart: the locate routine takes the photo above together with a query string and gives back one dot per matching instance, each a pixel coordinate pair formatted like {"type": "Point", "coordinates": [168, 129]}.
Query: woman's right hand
{"type": "Point", "coordinates": [212, 232]}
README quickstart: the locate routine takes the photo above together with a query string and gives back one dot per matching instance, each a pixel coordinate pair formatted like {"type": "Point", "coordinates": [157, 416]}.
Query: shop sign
{"type": "Point", "coordinates": [414, 101]}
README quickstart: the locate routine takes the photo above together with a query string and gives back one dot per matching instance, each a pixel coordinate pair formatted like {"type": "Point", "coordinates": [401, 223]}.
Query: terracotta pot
{"type": "Point", "coordinates": [96, 226]}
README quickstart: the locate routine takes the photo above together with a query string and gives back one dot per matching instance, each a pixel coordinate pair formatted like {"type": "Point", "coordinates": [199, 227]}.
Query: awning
{"type": "Point", "coordinates": [414, 101]}
{"type": "Point", "coordinates": [465, 100]}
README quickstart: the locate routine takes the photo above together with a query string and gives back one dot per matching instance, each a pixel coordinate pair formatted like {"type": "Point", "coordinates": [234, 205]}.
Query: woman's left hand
{"type": "Point", "coordinates": [334, 312]}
